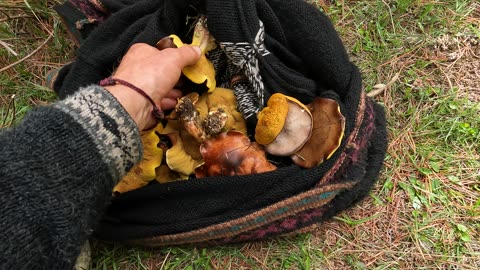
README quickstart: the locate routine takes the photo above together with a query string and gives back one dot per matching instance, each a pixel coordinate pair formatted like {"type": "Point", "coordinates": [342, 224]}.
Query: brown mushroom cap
{"type": "Point", "coordinates": [327, 134]}
{"type": "Point", "coordinates": [296, 130]}
{"type": "Point", "coordinates": [232, 153]}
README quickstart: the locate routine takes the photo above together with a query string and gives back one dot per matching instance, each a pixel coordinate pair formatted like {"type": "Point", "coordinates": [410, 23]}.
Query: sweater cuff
{"type": "Point", "coordinates": [114, 132]}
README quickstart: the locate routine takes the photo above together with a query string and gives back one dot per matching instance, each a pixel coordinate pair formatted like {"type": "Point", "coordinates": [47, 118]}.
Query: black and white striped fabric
{"type": "Point", "coordinates": [243, 56]}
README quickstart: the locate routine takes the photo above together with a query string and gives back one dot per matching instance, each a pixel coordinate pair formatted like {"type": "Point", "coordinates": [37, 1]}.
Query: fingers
{"type": "Point", "coordinates": [156, 72]}
{"type": "Point", "coordinates": [135, 48]}
{"type": "Point", "coordinates": [170, 100]}
{"type": "Point", "coordinates": [168, 103]}
{"type": "Point", "coordinates": [174, 94]}
{"type": "Point", "coordinates": [185, 55]}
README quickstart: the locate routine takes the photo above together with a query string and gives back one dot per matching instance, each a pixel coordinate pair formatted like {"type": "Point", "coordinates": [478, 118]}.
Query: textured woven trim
{"type": "Point", "coordinates": [307, 229]}
{"type": "Point", "coordinates": [283, 226]}
{"type": "Point", "coordinates": [112, 129]}
{"type": "Point", "coordinates": [99, 6]}
{"type": "Point", "coordinates": [93, 10]}
{"type": "Point", "coordinates": [350, 143]}
{"type": "Point", "coordinates": [307, 200]}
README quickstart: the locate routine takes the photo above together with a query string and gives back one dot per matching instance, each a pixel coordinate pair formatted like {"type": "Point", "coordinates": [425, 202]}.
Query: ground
{"type": "Point", "coordinates": [424, 211]}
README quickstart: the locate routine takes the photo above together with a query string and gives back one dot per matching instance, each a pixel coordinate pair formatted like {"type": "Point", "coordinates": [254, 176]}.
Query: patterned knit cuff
{"type": "Point", "coordinates": [114, 132]}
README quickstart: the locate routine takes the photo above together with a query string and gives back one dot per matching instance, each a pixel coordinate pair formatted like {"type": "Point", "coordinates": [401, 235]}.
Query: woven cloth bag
{"type": "Point", "coordinates": [285, 46]}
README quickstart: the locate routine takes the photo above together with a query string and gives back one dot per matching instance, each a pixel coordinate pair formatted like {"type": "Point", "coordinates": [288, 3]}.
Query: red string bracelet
{"type": "Point", "coordinates": [157, 112]}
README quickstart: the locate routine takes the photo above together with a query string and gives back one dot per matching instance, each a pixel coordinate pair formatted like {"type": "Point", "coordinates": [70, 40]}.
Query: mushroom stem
{"type": "Point", "coordinates": [202, 37]}
{"type": "Point", "coordinates": [215, 122]}
{"type": "Point", "coordinates": [190, 117]}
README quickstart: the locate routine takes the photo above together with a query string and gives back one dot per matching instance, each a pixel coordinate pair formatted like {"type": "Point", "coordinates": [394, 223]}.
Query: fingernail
{"type": "Point", "coordinates": [197, 49]}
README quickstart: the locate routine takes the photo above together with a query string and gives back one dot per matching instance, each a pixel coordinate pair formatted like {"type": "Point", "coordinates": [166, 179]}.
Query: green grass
{"type": "Point", "coordinates": [424, 212]}
{"type": "Point", "coordinates": [24, 26]}
{"type": "Point", "coordinates": [283, 253]}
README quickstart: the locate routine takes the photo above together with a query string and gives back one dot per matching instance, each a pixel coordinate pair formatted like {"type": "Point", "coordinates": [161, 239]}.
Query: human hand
{"type": "Point", "coordinates": [156, 73]}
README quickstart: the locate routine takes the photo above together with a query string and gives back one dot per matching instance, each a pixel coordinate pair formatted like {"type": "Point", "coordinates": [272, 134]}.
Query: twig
{"type": "Point", "coordinates": [381, 89]}
{"type": "Point", "coordinates": [10, 7]}
{"type": "Point", "coordinates": [31, 9]}
{"type": "Point", "coordinates": [14, 111]}
{"type": "Point", "coordinates": [12, 105]}
{"type": "Point", "coordinates": [5, 45]}
{"type": "Point", "coordinates": [391, 17]}
{"type": "Point", "coordinates": [444, 74]}
{"type": "Point", "coordinates": [6, 14]}
{"type": "Point", "coordinates": [27, 56]}
{"type": "Point", "coordinates": [14, 17]}
{"type": "Point", "coordinates": [165, 260]}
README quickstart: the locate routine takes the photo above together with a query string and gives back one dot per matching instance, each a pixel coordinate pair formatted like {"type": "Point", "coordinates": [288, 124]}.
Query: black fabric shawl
{"type": "Point", "coordinates": [306, 59]}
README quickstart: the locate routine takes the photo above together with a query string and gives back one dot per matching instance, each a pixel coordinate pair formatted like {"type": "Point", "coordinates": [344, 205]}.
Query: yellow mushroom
{"type": "Point", "coordinates": [144, 172]}
{"type": "Point", "coordinates": [178, 160]}
{"type": "Point", "coordinates": [223, 99]}
{"type": "Point", "coordinates": [202, 71]}
{"type": "Point", "coordinates": [177, 154]}
{"type": "Point", "coordinates": [165, 175]}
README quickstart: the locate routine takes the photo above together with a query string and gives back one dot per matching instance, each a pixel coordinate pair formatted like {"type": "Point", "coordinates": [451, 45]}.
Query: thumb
{"type": "Point", "coordinates": [188, 55]}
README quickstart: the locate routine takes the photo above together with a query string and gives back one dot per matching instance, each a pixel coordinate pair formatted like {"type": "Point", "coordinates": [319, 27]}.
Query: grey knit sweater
{"type": "Point", "coordinates": [57, 171]}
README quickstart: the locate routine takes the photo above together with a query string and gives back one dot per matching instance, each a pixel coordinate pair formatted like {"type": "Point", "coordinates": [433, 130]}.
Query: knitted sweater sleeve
{"type": "Point", "coordinates": [57, 171]}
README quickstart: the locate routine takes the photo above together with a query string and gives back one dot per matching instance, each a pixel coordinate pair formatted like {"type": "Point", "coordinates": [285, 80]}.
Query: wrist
{"type": "Point", "coordinates": [139, 108]}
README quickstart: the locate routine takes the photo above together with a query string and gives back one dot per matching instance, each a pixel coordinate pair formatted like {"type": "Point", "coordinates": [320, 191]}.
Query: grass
{"type": "Point", "coordinates": [424, 211]}
{"type": "Point", "coordinates": [24, 27]}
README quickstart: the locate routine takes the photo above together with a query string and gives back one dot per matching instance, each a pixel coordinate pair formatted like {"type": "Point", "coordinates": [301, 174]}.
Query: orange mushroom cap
{"type": "Point", "coordinates": [271, 119]}
{"type": "Point", "coordinates": [232, 153]}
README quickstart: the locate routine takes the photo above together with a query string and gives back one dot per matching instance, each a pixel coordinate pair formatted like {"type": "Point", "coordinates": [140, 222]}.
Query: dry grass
{"type": "Point", "coordinates": [32, 42]}
{"type": "Point", "coordinates": [423, 212]}
{"type": "Point", "coordinates": [429, 188]}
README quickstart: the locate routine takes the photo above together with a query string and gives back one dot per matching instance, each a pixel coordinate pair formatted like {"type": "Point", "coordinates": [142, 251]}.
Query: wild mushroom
{"type": "Point", "coordinates": [284, 126]}
{"type": "Point", "coordinates": [177, 159]}
{"type": "Point", "coordinates": [215, 121]}
{"type": "Point", "coordinates": [218, 101]}
{"type": "Point", "coordinates": [144, 172]}
{"type": "Point", "coordinates": [195, 125]}
{"type": "Point", "coordinates": [232, 153]}
{"type": "Point", "coordinates": [327, 134]}
{"type": "Point", "coordinates": [165, 175]}
{"type": "Point", "coordinates": [202, 71]}
{"type": "Point", "coordinates": [176, 156]}
{"type": "Point", "coordinates": [202, 121]}
{"type": "Point", "coordinates": [189, 117]}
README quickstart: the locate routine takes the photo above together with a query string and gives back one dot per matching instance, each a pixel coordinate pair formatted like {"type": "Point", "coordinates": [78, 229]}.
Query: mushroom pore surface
{"type": "Point", "coordinates": [295, 133]}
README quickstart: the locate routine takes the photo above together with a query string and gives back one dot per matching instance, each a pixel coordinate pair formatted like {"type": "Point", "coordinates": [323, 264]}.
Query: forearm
{"type": "Point", "coordinates": [57, 170]}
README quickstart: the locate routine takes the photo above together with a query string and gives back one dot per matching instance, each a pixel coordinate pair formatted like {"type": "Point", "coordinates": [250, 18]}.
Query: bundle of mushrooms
{"type": "Point", "coordinates": [206, 136]}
